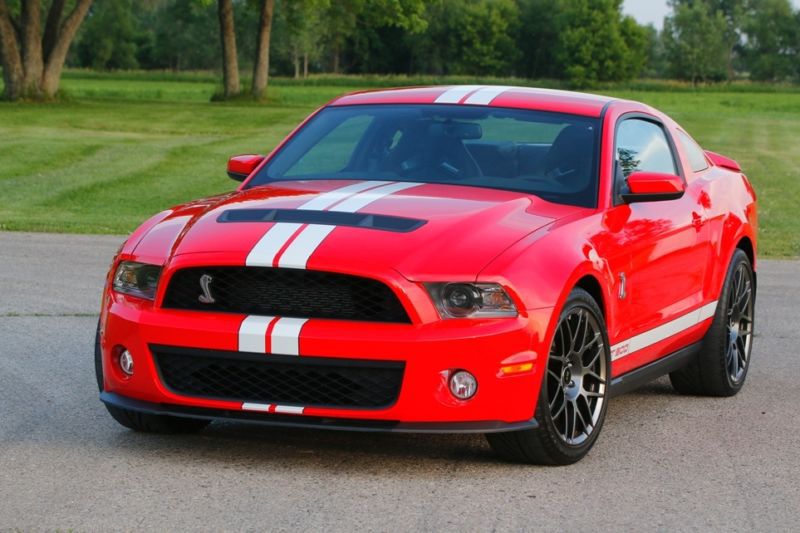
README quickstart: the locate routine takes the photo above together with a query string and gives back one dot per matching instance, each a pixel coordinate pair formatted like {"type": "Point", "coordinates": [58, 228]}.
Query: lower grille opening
{"type": "Point", "coordinates": [321, 382]}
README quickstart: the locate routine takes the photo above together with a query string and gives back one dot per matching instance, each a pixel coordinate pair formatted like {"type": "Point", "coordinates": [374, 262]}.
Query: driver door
{"type": "Point", "coordinates": [663, 243]}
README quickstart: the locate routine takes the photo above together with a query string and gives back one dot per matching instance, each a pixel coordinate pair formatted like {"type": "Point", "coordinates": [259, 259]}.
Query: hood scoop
{"type": "Point", "coordinates": [329, 218]}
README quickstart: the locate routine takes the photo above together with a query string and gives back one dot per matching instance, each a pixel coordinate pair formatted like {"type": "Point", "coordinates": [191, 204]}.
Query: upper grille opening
{"type": "Point", "coordinates": [285, 292]}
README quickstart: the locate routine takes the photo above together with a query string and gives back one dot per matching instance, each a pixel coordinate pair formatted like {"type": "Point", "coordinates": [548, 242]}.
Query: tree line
{"type": "Point", "coordinates": [582, 42]}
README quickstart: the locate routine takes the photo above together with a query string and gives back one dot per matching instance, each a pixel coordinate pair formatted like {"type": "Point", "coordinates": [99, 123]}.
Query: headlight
{"type": "Point", "coordinates": [137, 279]}
{"type": "Point", "coordinates": [472, 300]}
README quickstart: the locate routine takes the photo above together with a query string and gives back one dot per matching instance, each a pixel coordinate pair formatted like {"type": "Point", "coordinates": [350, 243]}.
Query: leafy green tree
{"type": "Point", "coordinates": [299, 29]}
{"type": "Point", "coordinates": [597, 43]}
{"type": "Point", "coordinates": [733, 11]}
{"type": "Point", "coordinates": [771, 52]}
{"type": "Point", "coordinates": [110, 36]}
{"type": "Point", "coordinates": [694, 41]}
{"type": "Point", "coordinates": [537, 37]}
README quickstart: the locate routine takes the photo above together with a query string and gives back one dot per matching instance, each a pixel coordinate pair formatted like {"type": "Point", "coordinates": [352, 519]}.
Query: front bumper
{"type": "Point", "coordinates": [314, 422]}
{"type": "Point", "coordinates": [430, 352]}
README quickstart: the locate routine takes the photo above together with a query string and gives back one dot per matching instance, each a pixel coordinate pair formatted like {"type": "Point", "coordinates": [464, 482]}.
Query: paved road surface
{"type": "Point", "coordinates": [663, 462]}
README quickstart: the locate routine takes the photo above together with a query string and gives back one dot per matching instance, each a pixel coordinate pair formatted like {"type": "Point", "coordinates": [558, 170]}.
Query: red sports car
{"type": "Point", "coordinates": [442, 259]}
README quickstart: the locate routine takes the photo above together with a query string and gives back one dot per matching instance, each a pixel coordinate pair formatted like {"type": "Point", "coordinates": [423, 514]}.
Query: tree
{"type": "Point", "coordinates": [230, 61]}
{"type": "Point", "coordinates": [733, 12]}
{"type": "Point", "coordinates": [109, 36]}
{"type": "Point", "coordinates": [32, 62]}
{"type": "Point", "coordinates": [598, 44]}
{"type": "Point", "coordinates": [261, 65]}
{"type": "Point", "coordinates": [771, 52]}
{"type": "Point", "coordinates": [694, 41]}
{"type": "Point", "coordinates": [302, 25]}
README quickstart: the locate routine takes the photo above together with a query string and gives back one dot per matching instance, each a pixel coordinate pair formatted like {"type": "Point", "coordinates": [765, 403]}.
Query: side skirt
{"type": "Point", "coordinates": [643, 375]}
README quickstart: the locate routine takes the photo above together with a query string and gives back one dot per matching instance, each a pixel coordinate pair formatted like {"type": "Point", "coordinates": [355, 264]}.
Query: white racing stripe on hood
{"type": "Point", "coordinates": [275, 238]}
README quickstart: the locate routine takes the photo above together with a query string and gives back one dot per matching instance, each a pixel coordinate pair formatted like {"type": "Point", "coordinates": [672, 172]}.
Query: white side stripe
{"type": "Point", "coordinates": [253, 334]}
{"type": "Point", "coordinates": [485, 96]}
{"type": "Point", "coordinates": [325, 200]}
{"type": "Point", "coordinates": [285, 338]}
{"type": "Point", "coordinates": [455, 94]}
{"type": "Point", "coordinates": [356, 202]}
{"type": "Point", "coordinates": [297, 254]}
{"type": "Point", "coordinates": [270, 244]}
{"type": "Point", "coordinates": [664, 331]}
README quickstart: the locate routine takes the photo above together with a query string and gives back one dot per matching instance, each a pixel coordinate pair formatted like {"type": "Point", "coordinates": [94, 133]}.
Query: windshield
{"type": "Point", "coordinates": [551, 155]}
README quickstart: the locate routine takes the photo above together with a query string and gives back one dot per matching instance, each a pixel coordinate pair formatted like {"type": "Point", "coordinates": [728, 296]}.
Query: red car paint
{"type": "Point", "coordinates": [671, 257]}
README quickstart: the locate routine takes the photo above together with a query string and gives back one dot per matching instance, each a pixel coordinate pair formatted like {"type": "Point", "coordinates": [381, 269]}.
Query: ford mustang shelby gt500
{"type": "Point", "coordinates": [444, 259]}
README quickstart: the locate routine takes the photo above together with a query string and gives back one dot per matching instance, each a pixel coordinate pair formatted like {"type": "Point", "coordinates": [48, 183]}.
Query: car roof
{"type": "Point", "coordinates": [590, 105]}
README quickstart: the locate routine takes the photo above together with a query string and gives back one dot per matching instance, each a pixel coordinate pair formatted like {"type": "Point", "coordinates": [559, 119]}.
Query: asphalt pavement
{"type": "Point", "coordinates": [663, 462]}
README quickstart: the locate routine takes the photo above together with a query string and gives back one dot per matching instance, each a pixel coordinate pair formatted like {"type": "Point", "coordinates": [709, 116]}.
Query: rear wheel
{"type": "Point", "coordinates": [572, 400]}
{"type": "Point", "coordinates": [141, 421]}
{"type": "Point", "coordinates": [721, 366]}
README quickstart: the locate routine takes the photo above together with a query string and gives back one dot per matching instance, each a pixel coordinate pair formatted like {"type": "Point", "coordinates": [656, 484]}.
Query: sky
{"type": "Point", "coordinates": [654, 11]}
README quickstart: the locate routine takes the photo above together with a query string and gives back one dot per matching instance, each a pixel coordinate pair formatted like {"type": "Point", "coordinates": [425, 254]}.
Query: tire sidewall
{"type": "Point", "coordinates": [578, 298]}
{"type": "Point", "coordinates": [719, 327]}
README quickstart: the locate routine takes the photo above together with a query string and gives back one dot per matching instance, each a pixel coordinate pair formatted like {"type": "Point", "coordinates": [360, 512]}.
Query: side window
{"type": "Point", "coordinates": [642, 146]}
{"type": "Point", "coordinates": [697, 158]}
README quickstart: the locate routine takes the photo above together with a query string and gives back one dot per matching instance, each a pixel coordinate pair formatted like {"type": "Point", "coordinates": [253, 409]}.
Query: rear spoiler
{"type": "Point", "coordinates": [722, 161]}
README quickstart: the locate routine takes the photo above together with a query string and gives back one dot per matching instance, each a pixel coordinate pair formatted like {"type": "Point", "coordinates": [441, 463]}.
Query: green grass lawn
{"type": "Point", "coordinates": [122, 147]}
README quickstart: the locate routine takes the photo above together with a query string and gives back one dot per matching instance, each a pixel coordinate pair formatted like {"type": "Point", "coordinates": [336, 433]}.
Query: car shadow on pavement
{"type": "Point", "coordinates": [223, 442]}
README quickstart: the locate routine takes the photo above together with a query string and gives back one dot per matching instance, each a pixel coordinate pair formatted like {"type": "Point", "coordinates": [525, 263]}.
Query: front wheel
{"type": "Point", "coordinates": [573, 396]}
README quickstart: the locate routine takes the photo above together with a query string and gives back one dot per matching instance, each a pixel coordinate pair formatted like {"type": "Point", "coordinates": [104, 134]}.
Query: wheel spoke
{"type": "Point", "coordinates": [599, 379]}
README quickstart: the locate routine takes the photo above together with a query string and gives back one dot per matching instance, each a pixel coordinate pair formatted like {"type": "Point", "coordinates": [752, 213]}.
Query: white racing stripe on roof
{"type": "Point", "coordinates": [485, 95]}
{"type": "Point", "coordinates": [455, 94]}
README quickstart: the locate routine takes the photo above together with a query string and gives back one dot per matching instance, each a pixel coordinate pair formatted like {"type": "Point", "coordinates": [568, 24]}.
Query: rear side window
{"type": "Point", "coordinates": [642, 147]}
{"type": "Point", "coordinates": [697, 158]}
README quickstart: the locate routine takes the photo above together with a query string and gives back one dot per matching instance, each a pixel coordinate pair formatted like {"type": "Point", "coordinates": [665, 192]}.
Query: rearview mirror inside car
{"type": "Point", "coordinates": [653, 187]}
{"type": "Point", "coordinates": [241, 166]}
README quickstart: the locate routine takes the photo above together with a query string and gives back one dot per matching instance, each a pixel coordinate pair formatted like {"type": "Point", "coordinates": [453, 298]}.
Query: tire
{"type": "Point", "coordinates": [566, 398]}
{"type": "Point", "coordinates": [721, 366]}
{"type": "Point", "coordinates": [144, 422]}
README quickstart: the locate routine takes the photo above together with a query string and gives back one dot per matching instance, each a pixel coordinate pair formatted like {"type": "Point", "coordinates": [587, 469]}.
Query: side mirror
{"type": "Point", "coordinates": [241, 166]}
{"type": "Point", "coordinates": [653, 187]}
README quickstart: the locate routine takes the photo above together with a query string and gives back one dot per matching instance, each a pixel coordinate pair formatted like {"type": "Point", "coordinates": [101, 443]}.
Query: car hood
{"type": "Point", "coordinates": [423, 231]}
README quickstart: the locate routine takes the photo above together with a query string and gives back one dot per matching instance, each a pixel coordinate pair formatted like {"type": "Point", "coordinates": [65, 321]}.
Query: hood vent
{"type": "Point", "coordinates": [330, 218]}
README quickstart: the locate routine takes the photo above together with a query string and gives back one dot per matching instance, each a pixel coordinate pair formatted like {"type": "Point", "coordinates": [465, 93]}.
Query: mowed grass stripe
{"type": "Point", "coordinates": [123, 149]}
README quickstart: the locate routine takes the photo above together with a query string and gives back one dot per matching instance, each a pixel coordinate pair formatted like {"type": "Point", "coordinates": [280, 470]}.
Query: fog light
{"type": "Point", "coordinates": [463, 385]}
{"type": "Point", "coordinates": [126, 362]}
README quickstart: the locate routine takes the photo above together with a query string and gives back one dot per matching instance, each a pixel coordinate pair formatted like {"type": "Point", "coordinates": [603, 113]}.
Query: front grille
{"type": "Point", "coordinates": [285, 292]}
{"type": "Point", "coordinates": [324, 382]}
